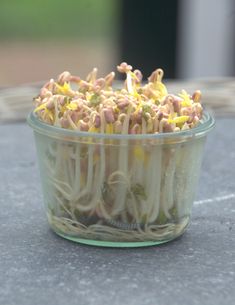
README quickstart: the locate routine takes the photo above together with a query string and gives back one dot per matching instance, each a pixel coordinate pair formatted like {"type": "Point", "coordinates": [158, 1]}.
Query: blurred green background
{"type": "Point", "coordinates": [56, 19]}
{"type": "Point", "coordinates": [40, 38]}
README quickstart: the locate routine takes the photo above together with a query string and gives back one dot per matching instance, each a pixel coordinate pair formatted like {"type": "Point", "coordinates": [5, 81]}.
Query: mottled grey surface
{"type": "Point", "coordinates": [38, 267]}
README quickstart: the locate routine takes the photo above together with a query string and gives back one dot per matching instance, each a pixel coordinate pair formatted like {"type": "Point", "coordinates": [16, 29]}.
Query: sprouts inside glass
{"type": "Point", "coordinates": [119, 188]}
{"type": "Point", "coordinates": [118, 166]}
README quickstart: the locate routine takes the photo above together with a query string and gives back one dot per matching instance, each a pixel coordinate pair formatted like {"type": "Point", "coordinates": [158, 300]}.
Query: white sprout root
{"type": "Point", "coordinates": [108, 192]}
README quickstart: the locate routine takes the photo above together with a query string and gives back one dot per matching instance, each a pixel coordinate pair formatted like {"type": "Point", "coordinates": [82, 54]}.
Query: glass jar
{"type": "Point", "coordinates": [119, 190]}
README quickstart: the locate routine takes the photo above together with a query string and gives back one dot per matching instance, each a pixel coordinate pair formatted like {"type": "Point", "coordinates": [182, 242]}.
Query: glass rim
{"type": "Point", "coordinates": [206, 124]}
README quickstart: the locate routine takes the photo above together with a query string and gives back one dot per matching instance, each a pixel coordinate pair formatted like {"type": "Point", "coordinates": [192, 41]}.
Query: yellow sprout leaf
{"type": "Point", "coordinates": [186, 99]}
{"type": "Point", "coordinates": [72, 106]}
{"type": "Point", "coordinates": [40, 107]}
{"type": "Point", "coordinates": [109, 128]}
{"type": "Point", "coordinates": [93, 129]}
{"type": "Point", "coordinates": [159, 86]}
{"type": "Point", "coordinates": [172, 116]}
{"type": "Point", "coordinates": [139, 106]}
{"type": "Point", "coordinates": [116, 110]}
{"type": "Point", "coordinates": [139, 153]}
{"type": "Point", "coordinates": [136, 95]}
{"type": "Point", "coordinates": [50, 114]}
{"type": "Point", "coordinates": [65, 89]}
{"type": "Point", "coordinates": [179, 120]}
{"type": "Point", "coordinates": [186, 103]}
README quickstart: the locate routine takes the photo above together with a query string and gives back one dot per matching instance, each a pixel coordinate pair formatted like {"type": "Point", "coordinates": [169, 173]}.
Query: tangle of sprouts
{"type": "Point", "coordinates": [118, 190]}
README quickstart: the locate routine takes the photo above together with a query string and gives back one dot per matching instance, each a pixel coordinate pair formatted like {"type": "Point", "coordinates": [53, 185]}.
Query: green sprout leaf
{"type": "Point", "coordinates": [139, 191]}
{"type": "Point", "coordinates": [95, 100]}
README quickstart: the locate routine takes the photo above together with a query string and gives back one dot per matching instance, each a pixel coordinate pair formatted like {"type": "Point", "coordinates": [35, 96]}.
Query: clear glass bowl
{"type": "Point", "coordinates": [119, 190]}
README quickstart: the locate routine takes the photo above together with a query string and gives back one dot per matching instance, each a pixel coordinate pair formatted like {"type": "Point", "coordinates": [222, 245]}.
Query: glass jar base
{"type": "Point", "coordinates": [113, 244]}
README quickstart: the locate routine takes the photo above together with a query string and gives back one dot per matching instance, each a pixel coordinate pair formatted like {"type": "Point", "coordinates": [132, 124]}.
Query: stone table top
{"type": "Point", "coordinates": [38, 267]}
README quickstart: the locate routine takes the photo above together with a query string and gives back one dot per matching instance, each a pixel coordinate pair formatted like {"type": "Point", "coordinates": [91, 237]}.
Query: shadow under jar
{"type": "Point", "coordinates": [119, 190]}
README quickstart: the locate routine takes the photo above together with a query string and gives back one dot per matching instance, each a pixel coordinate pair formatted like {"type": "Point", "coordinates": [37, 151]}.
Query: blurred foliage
{"type": "Point", "coordinates": [56, 19]}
